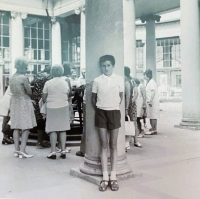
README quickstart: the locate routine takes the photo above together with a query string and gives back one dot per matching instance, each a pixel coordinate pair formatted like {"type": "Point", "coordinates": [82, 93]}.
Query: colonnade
{"type": "Point", "coordinates": [112, 31]}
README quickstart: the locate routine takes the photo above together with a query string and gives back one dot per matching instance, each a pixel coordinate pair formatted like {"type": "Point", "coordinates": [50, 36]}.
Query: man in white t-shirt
{"type": "Point", "coordinates": [107, 95]}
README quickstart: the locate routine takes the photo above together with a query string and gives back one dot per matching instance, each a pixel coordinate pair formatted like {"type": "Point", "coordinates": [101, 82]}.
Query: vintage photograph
{"type": "Point", "coordinates": [100, 98]}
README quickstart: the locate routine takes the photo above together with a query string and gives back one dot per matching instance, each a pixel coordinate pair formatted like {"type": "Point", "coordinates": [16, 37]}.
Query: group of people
{"type": "Point", "coordinates": [140, 103]}
{"type": "Point", "coordinates": [33, 105]}
{"type": "Point", "coordinates": [46, 104]}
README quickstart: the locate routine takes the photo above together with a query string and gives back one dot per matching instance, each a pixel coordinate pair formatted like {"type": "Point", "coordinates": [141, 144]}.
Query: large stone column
{"type": "Point", "coordinates": [17, 37]}
{"type": "Point", "coordinates": [129, 35]}
{"type": "Point", "coordinates": [1, 77]}
{"type": "Point", "coordinates": [104, 35]}
{"type": "Point", "coordinates": [190, 63]}
{"type": "Point", "coordinates": [151, 42]}
{"type": "Point", "coordinates": [56, 42]}
{"type": "Point", "coordinates": [82, 64]}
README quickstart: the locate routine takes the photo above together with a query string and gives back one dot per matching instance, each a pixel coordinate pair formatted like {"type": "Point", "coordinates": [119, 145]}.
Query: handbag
{"type": "Point", "coordinates": [43, 107]}
{"type": "Point", "coordinates": [129, 127]}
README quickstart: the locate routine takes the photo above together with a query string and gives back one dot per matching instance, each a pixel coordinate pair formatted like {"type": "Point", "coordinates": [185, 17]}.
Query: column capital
{"type": "Point", "coordinates": [150, 17]}
{"type": "Point", "coordinates": [53, 19]}
{"type": "Point", "coordinates": [15, 14]}
{"type": "Point", "coordinates": [78, 10]}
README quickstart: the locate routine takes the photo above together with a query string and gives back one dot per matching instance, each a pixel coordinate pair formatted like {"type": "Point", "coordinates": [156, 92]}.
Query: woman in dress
{"type": "Point", "coordinates": [55, 95]}
{"type": "Point", "coordinates": [131, 94]}
{"type": "Point", "coordinates": [38, 84]}
{"type": "Point", "coordinates": [141, 106]}
{"type": "Point", "coordinates": [152, 102]}
{"type": "Point", "coordinates": [22, 115]}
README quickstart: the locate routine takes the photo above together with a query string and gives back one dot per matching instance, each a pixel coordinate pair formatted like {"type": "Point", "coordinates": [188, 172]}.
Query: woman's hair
{"type": "Point", "coordinates": [57, 70]}
{"type": "Point", "coordinates": [107, 58]}
{"type": "Point", "coordinates": [20, 62]}
{"type": "Point", "coordinates": [127, 71]}
{"type": "Point", "coordinates": [67, 70]}
{"type": "Point", "coordinates": [148, 73]}
{"type": "Point", "coordinates": [136, 80]}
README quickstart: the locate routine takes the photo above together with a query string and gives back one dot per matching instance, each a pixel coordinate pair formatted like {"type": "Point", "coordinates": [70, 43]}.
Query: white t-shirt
{"type": "Point", "coordinates": [57, 90]}
{"type": "Point", "coordinates": [108, 89]}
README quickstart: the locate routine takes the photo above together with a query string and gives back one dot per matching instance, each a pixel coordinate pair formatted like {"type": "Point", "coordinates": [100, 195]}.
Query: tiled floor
{"type": "Point", "coordinates": [170, 162]}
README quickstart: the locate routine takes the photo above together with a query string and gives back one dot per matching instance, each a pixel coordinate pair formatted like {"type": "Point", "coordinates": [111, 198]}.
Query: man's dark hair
{"type": "Point", "coordinates": [136, 80]}
{"type": "Point", "coordinates": [67, 69]}
{"type": "Point", "coordinates": [127, 71]}
{"type": "Point", "coordinates": [148, 73]}
{"type": "Point", "coordinates": [107, 58]}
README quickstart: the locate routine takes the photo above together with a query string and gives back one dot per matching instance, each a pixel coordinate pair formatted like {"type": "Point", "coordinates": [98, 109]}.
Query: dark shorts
{"type": "Point", "coordinates": [108, 119]}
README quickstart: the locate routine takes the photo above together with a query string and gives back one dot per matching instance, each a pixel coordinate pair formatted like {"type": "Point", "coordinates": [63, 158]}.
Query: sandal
{"type": "Point", "coordinates": [103, 185]}
{"type": "Point", "coordinates": [79, 153]}
{"type": "Point", "coordinates": [137, 144]}
{"type": "Point", "coordinates": [114, 185]}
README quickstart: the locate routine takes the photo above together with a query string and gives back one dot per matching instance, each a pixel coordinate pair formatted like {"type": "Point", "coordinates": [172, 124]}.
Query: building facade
{"type": "Point", "coordinates": [168, 57]}
{"type": "Point", "coordinates": [50, 32]}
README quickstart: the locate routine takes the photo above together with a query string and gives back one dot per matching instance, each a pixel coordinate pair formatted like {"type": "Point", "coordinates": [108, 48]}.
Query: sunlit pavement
{"type": "Point", "coordinates": [169, 161]}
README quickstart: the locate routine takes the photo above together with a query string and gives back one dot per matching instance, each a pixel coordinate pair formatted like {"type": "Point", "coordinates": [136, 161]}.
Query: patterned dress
{"type": "Point", "coordinates": [38, 85]}
{"type": "Point", "coordinates": [132, 108]}
{"type": "Point", "coordinates": [21, 108]}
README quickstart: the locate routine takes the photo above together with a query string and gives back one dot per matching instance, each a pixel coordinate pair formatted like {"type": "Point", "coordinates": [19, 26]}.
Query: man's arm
{"type": "Point", "coordinates": [94, 99]}
{"type": "Point", "coordinates": [121, 97]}
{"type": "Point", "coordinates": [44, 97]}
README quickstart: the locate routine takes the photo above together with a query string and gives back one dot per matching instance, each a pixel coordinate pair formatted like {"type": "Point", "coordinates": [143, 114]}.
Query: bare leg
{"type": "Point", "coordinates": [113, 149]}
{"type": "Point", "coordinates": [154, 124]}
{"type": "Point", "coordinates": [62, 137]}
{"type": "Point", "coordinates": [53, 140]}
{"type": "Point", "coordinates": [103, 151]}
{"type": "Point", "coordinates": [24, 139]}
{"type": "Point", "coordinates": [16, 139]}
{"type": "Point", "coordinates": [40, 135]}
{"type": "Point", "coordinates": [5, 121]}
{"type": "Point", "coordinates": [59, 142]}
{"type": "Point", "coordinates": [151, 122]}
{"type": "Point", "coordinates": [136, 132]}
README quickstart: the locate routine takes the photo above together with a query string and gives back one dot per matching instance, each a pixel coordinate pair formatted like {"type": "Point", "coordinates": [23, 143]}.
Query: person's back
{"type": "Point", "coordinates": [57, 92]}
{"type": "Point", "coordinates": [17, 88]}
{"type": "Point", "coordinates": [38, 83]}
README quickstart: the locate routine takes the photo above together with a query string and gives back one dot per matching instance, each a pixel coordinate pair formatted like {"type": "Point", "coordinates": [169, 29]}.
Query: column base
{"type": "Point", "coordinates": [190, 124]}
{"type": "Point", "coordinates": [93, 167]}
{"type": "Point", "coordinates": [97, 179]}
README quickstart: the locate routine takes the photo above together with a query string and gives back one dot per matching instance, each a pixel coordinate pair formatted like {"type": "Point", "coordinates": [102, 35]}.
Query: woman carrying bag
{"type": "Point", "coordinates": [130, 107]}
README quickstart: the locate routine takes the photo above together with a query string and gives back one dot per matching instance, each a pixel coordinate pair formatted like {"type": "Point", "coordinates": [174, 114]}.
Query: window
{"type": "Point", "coordinates": [139, 54]}
{"type": "Point", "coordinates": [5, 47]}
{"type": "Point", "coordinates": [168, 52]}
{"type": "Point", "coordinates": [36, 39]}
{"type": "Point", "coordinates": [178, 81]}
{"type": "Point", "coordinates": [4, 35]}
{"type": "Point", "coordinates": [70, 33]}
{"type": "Point", "coordinates": [76, 49]}
{"type": "Point", "coordinates": [37, 43]}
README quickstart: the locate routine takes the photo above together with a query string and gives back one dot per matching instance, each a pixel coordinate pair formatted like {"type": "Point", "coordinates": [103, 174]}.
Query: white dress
{"type": "Point", "coordinates": [152, 112]}
{"type": "Point", "coordinates": [5, 103]}
{"type": "Point", "coordinates": [139, 102]}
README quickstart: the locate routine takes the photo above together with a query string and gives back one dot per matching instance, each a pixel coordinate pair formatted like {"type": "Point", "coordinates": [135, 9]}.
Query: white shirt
{"type": "Point", "coordinates": [57, 90]}
{"type": "Point", "coordinates": [151, 85]}
{"type": "Point", "coordinates": [108, 89]}
{"type": "Point", "coordinates": [81, 81]}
